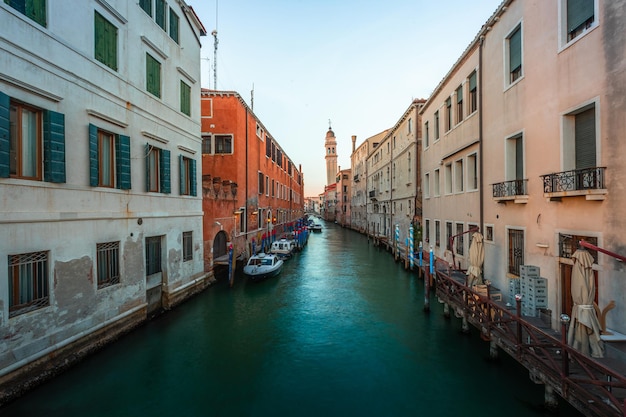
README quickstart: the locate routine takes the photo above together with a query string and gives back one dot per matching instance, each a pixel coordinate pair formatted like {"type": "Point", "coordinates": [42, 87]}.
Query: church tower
{"type": "Point", "coordinates": [331, 156]}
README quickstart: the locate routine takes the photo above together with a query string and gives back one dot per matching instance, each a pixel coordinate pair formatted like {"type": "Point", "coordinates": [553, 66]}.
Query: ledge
{"type": "Point", "coordinates": [591, 195]}
{"type": "Point", "coordinates": [517, 199]}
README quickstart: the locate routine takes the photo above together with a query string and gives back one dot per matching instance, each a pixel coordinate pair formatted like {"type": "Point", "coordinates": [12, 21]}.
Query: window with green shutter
{"type": "Point", "coordinates": [153, 76]}
{"type": "Point", "coordinates": [174, 26]}
{"type": "Point", "coordinates": [146, 5]}
{"type": "Point", "coordinates": [185, 98]}
{"type": "Point", "coordinates": [53, 146]}
{"type": "Point", "coordinates": [159, 13]}
{"type": "Point", "coordinates": [473, 96]}
{"type": "Point", "coordinates": [33, 9]}
{"type": "Point", "coordinates": [580, 16]}
{"type": "Point", "coordinates": [109, 159]}
{"type": "Point", "coordinates": [515, 54]}
{"type": "Point", "coordinates": [105, 40]}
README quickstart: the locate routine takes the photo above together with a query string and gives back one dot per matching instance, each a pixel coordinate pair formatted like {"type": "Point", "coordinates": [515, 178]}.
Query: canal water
{"type": "Point", "coordinates": [341, 332]}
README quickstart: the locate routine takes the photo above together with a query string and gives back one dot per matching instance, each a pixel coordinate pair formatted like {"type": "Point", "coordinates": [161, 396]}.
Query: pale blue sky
{"type": "Point", "coordinates": [358, 63]}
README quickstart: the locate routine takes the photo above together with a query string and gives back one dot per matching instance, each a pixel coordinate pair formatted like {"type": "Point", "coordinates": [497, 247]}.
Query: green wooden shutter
{"type": "Point", "coordinates": [146, 5]}
{"type": "Point", "coordinates": [93, 155]}
{"type": "Point", "coordinates": [181, 173]}
{"type": "Point", "coordinates": [159, 13]}
{"type": "Point", "coordinates": [192, 178]}
{"type": "Point", "coordinates": [578, 12]}
{"type": "Point", "coordinates": [519, 158]}
{"type": "Point", "coordinates": [147, 159]}
{"type": "Point", "coordinates": [459, 94]}
{"type": "Point", "coordinates": [36, 10]}
{"type": "Point", "coordinates": [5, 104]}
{"type": "Point", "coordinates": [122, 162]}
{"type": "Point", "coordinates": [185, 98]}
{"type": "Point", "coordinates": [472, 81]}
{"type": "Point", "coordinates": [54, 146]}
{"type": "Point", "coordinates": [164, 166]}
{"type": "Point", "coordinates": [153, 76]}
{"type": "Point", "coordinates": [105, 41]}
{"type": "Point", "coordinates": [515, 50]}
{"type": "Point", "coordinates": [174, 26]}
{"type": "Point", "coordinates": [585, 132]}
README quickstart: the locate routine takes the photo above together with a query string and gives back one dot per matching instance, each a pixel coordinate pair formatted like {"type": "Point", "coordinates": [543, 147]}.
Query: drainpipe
{"type": "Point", "coordinates": [480, 134]}
{"type": "Point", "coordinates": [246, 182]}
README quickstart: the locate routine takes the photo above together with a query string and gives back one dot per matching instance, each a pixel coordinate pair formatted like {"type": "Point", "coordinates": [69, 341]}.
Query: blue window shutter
{"type": "Point", "coordinates": [192, 178]}
{"type": "Point", "coordinates": [166, 186]}
{"type": "Point", "coordinates": [181, 174]}
{"type": "Point", "coordinates": [54, 146]}
{"type": "Point", "coordinates": [5, 102]}
{"type": "Point", "coordinates": [122, 160]}
{"type": "Point", "coordinates": [93, 155]}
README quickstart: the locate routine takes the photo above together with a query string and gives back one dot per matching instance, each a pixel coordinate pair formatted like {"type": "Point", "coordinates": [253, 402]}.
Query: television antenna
{"type": "Point", "coordinates": [215, 42]}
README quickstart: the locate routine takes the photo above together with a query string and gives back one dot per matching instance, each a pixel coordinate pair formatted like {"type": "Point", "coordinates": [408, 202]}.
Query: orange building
{"type": "Point", "coordinates": [252, 191]}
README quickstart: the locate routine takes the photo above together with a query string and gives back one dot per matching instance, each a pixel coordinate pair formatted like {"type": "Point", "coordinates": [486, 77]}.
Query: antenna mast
{"type": "Point", "coordinates": [215, 42]}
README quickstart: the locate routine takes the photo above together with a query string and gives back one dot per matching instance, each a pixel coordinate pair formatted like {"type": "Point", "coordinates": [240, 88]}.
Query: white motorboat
{"type": "Point", "coordinates": [262, 266]}
{"type": "Point", "coordinates": [283, 248]}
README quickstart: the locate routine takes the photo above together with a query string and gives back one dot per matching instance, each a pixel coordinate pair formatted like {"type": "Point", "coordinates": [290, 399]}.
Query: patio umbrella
{"type": "Point", "coordinates": [476, 259]}
{"type": "Point", "coordinates": [584, 331]}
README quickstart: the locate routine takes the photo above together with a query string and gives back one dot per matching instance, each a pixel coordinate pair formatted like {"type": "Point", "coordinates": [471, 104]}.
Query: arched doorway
{"type": "Point", "coordinates": [220, 252]}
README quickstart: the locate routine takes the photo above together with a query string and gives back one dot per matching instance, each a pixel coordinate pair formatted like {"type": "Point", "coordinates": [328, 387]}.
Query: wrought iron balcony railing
{"type": "Point", "coordinates": [510, 188]}
{"type": "Point", "coordinates": [575, 180]}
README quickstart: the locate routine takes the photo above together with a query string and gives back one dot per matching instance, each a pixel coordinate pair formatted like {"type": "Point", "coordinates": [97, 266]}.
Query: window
{"type": "Point", "coordinates": [259, 131]}
{"type": "Point", "coordinates": [458, 174]}
{"type": "Point", "coordinates": [187, 176]}
{"type": "Point", "coordinates": [267, 185]}
{"type": "Point", "coordinates": [105, 41]}
{"type": "Point", "coordinates": [426, 134]}
{"type": "Point", "coordinates": [28, 282]}
{"type": "Point", "coordinates": [488, 233]}
{"type": "Point", "coordinates": [448, 114]}
{"type": "Point", "coordinates": [436, 183]}
{"type": "Point", "coordinates": [25, 146]}
{"type": "Point", "coordinates": [187, 246]}
{"type": "Point", "coordinates": [146, 5]}
{"type": "Point", "coordinates": [223, 144]}
{"type": "Point", "coordinates": [580, 17]}
{"type": "Point", "coordinates": [426, 185]}
{"type": "Point", "coordinates": [448, 235]}
{"type": "Point", "coordinates": [427, 230]}
{"type": "Point", "coordinates": [174, 24]}
{"type": "Point", "coordinates": [33, 9]}
{"type": "Point", "coordinates": [109, 159]}
{"type": "Point", "coordinates": [516, 251]}
{"type": "Point", "coordinates": [185, 98]}
{"type": "Point", "coordinates": [459, 104]}
{"type": "Point", "coordinates": [514, 48]}
{"type": "Point", "coordinates": [448, 179]}
{"type": "Point", "coordinates": [410, 125]}
{"type": "Point", "coordinates": [153, 255]}
{"type": "Point", "coordinates": [515, 158]}
{"type": "Point", "coordinates": [437, 233]}
{"type": "Point", "coordinates": [157, 170]}
{"type": "Point", "coordinates": [261, 183]}
{"type": "Point", "coordinates": [32, 142]}
{"type": "Point", "coordinates": [159, 13]}
{"type": "Point", "coordinates": [108, 263]}
{"type": "Point", "coordinates": [206, 144]}
{"type": "Point", "coordinates": [268, 148]}
{"type": "Point", "coordinates": [472, 172]}
{"type": "Point", "coordinates": [473, 94]}
{"type": "Point", "coordinates": [153, 76]}
{"type": "Point", "coordinates": [459, 240]}
{"type": "Point", "coordinates": [436, 125]}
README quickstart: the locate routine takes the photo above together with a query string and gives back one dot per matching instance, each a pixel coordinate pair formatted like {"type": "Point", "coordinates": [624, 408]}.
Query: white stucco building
{"type": "Point", "coordinates": [101, 219]}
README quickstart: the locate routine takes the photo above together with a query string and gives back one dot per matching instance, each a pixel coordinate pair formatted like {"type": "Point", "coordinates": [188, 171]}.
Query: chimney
{"type": "Point", "coordinates": [353, 143]}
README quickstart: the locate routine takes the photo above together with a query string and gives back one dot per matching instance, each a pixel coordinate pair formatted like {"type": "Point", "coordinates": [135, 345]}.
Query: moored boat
{"type": "Point", "coordinates": [262, 266]}
{"type": "Point", "coordinates": [283, 248]}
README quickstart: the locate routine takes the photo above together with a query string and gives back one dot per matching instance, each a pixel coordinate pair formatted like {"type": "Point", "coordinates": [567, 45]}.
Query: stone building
{"type": "Point", "coordinates": [99, 147]}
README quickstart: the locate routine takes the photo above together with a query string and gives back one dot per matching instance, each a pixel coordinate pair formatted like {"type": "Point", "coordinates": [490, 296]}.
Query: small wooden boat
{"type": "Point", "coordinates": [262, 266]}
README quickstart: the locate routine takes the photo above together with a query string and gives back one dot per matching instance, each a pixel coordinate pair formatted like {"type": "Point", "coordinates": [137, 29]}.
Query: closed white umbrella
{"type": "Point", "coordinates": [476, 258]}
{"type": "Point", "coordinates": [584, 331]}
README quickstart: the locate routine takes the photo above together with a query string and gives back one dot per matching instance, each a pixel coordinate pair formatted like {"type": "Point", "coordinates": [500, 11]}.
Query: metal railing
{"type": "Point", "coordinates": [587, 384]}
{"type": "Point", "coordinates": [510, 188]}
{"type": "Point", "coordinates": [575, 180]}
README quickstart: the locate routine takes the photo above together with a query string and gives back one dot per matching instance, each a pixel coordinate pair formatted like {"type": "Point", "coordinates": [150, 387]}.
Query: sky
{"type": "Point", "coordinates": [357, 63]}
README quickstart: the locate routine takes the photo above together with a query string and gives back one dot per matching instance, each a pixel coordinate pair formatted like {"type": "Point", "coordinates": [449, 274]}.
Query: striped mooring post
{"type": "Point", "coordinates": [411, 254]}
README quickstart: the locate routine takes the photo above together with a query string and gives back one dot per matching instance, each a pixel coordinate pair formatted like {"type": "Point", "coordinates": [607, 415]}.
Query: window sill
{"type": "Point", "coordinates": [517, 199]}
{"type": "Point", "coordinates": [590, 195]}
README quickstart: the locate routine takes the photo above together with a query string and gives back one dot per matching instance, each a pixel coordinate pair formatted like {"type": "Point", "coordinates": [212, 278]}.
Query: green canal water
{"type": "Point", "coordinates": [341, 332]}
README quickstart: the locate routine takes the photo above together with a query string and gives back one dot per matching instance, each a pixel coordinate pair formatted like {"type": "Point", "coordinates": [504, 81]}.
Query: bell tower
{"type": "Point", "coordinates": [331, 156]}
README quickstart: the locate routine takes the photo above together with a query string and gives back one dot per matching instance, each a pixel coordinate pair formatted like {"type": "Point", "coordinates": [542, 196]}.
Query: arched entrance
{"type": "Point", "coordinates": [220, 251]}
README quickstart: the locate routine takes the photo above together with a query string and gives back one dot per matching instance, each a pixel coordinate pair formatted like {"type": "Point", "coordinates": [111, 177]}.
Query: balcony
{"type": "Point", "coordinates": [515, 191]}
{"type": "Point", "coordinates": [372, 195]}
{"type": "Point", "coordinates": [588, 182]}
{"type": "Point", "coordinates": [356, 178]}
